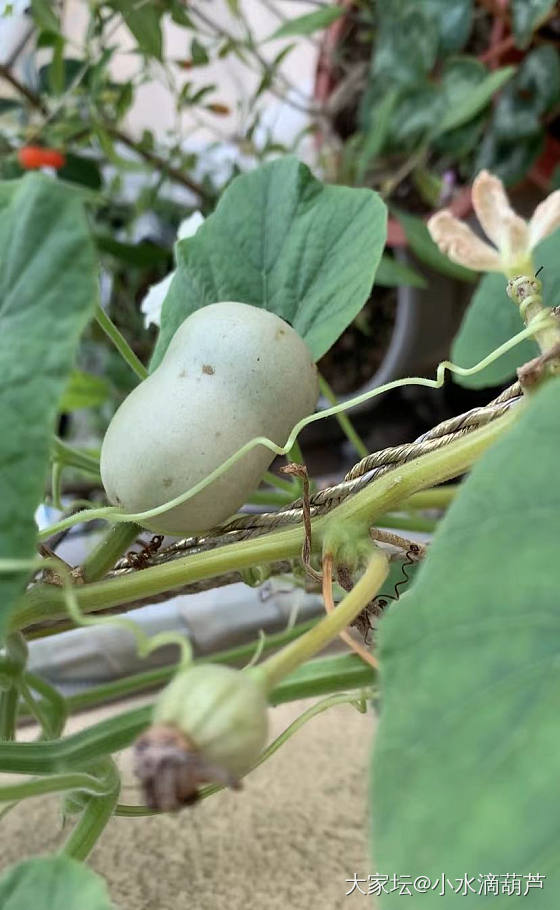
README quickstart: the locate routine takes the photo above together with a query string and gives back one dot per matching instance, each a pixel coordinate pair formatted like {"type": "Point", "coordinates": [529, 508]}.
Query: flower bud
{"type": "Point", "coordinates": [210, 725]}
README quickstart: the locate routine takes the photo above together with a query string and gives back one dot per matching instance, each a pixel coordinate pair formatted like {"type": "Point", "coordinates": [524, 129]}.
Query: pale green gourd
{"type": "Point", "coordinates": [231, 372]}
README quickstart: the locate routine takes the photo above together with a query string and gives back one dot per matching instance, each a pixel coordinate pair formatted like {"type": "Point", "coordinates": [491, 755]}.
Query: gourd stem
{"type": "Point", "coordinates": [104, 556]}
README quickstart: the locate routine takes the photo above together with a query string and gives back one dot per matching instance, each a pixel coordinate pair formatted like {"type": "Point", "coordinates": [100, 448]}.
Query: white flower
{"type": "Point", "coordinates": [514, 238]}
{"type": "Point", "coordinates": [153, 301]}
{"type": "Point", "coordinates": [189, 226]}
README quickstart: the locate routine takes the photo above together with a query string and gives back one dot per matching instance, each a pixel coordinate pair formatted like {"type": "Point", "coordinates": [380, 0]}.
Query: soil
{"type": "Point", "coordinates": [291, 838]}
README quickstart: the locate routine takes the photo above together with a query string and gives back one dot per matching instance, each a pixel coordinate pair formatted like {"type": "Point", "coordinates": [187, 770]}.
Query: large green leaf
{"type": "Point", "coordinates": [53, 883]}
{"type": "Point", "coordinates": [281, 240]}
{"type": "Point", "coordinates": [492, 318]}
{"type": "Point", "coordinates": [466, 763]}
{"type": "Point", "coordinates": [48, 287]}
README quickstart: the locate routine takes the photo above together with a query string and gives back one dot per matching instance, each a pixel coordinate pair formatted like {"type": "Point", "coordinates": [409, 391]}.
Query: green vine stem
{"type": "Point", "coordinates": [428, 470]}
{"type": "Point", "coordinates": [81, 749]}
{"type": "Point", "coordinates": [9, 699]}
{"type": "Point", "coordinates": [526, 293]}
{"type": "Point", "coordinates": [103, 557]}
{"type": "Point", "coordinates": [306, 646]}
{"type": "Point", "coordinates": [39, 711]}
{"type": "Point", "coordinates": [149, 679]}
{"type": "Point", "coordinates": [437, 498]}
{"type": "Point", "coordinates": [54, 783]}
{"type": "Point", "coordinates": [120, 343]}
{"type": "Point", "coordinates": [12, 668]}
{"type": "Point", "coordinates": [387, 492]}
{"type": "Point", "coordinates": [51, 701]}
{"type": "Point", "coordinates": [68, 456]}
{"type": "Point", "coordinates": [94, 818]}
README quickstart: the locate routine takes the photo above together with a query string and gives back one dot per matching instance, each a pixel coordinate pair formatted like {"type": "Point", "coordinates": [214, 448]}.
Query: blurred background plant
{"type": "Point", "coordinates": [154, 107]}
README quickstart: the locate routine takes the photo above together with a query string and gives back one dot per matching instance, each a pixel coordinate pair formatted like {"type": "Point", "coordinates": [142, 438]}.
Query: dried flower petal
{"type": "Point", "coordinates": [507, 230]}
{"type": "Point", "coordinates": [546, 218]}
{"type": "Point", "coordinates": [460, 243]}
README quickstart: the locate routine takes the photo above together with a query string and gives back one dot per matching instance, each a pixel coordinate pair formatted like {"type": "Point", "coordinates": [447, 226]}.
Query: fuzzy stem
{"type": "Point", "coordinates": [51, 701]}
{"type": "Point", "coordinates": [437, 498]}
{"type": "Point", "coordinates": [94, 818]}
{"type": "Point", "coordinates": [104, 556]}
{"type": "Point", "coordinates": [69, 456]}
{"type": "Point", "coordinates": [8, 713]}
{"type": "Point", "coordinates": [54, 783]}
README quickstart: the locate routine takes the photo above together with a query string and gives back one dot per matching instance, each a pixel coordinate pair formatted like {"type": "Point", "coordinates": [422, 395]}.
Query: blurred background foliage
{"type": "Point", "coordinates": [409, 98]}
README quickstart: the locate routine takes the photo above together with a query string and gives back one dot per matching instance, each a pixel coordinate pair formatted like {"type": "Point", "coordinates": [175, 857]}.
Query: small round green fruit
{"type": "Point", "coordinates": [210, 725]}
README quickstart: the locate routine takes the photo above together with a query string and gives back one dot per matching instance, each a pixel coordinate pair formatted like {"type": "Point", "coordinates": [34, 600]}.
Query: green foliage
{"type": "Point", "coordinates": [468, 740]}
{"type": "Point", "coordinates": [433, 93]}
{"type": "Point", "coordinates": [406, 46]}
{"type": "Point", "coordinates": [527, 15]}
{"type": "Point", "coordinates": [53, 883]}
{"type": "Point", "coordinates": [393, 273]}
{"type": "Point", "coordinates": [424, 247]}
{"type": "Point", "coordinates": [84, 390]}
{"type": "Point", "coordinates": [453, 19]}
{"type": "Point", "coordinates": [468, 89]}
{"type": "Point", "coordinates": [516, 133]}
{"type": "Point", "coordinates": [47, 294]}
{"type": "Point", "coordinates": [44, 15]}
{"type": "Point", "coordinates": [280, 240]}
{"type": "Point", "coordinates": [374, 139]}
{"type": "Point", "coordinates": [447, 108]}
{"type": "Point", "coordinates": [308, 23]}
{"type": "Point", "coordinates": [143, 20]}
{"type": "Point", "coordinates": [79, 169]}
{"type": "Point", "coordinates": [492, 318]}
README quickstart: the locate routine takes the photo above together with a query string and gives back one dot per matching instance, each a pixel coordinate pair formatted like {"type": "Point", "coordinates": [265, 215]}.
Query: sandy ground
{"type": "Point", "coordinates": [290, 839]}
